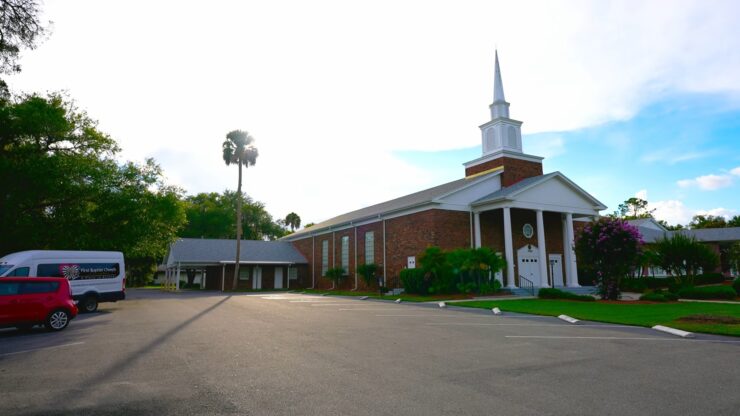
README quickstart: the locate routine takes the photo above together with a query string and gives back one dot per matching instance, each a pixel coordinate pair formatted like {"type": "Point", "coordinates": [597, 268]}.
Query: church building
{"type": "Point", "coordinates": [504, 201]}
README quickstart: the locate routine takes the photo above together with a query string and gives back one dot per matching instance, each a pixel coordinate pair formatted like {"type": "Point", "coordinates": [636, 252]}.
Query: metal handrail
{"type": "Point", "coordinates": [526, 284]}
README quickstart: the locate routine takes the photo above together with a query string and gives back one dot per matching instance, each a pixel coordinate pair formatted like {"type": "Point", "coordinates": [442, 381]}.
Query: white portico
{"type": "Point", "coordinates": [531, 215]}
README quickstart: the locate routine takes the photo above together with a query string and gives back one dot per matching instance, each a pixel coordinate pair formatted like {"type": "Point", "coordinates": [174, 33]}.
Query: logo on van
{"type": "Point", "coordinates": [70, 271]}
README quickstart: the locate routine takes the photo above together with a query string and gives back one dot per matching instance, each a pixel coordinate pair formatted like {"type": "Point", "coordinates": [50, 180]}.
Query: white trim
{"type": "Point", "coordinates": [534, 207]}
{"type": "Point", "coordinates": [503, 153]}
{"type": "Point", "coordinates": [259, 262]}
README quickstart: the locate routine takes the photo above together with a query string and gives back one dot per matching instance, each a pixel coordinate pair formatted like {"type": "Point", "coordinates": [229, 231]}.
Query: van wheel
{"type": "Point", "coordinates": [57, 320]}
{"type": "Point", "coordinates": [89, 304]}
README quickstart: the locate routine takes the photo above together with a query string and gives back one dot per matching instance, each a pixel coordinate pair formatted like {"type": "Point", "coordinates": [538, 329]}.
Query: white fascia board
{"type": "Point", "coordinates": [503, 153]}
{"type": "Point", "coordinates": [532, 206]}
{"type": "Point", "coordinates": [474, 182]}
{"type": "Point", "coordinates": [257, 262]}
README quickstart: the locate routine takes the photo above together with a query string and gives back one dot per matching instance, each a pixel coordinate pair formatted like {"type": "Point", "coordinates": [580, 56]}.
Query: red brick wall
{"type": "Point", "coordinates": [514, 169]}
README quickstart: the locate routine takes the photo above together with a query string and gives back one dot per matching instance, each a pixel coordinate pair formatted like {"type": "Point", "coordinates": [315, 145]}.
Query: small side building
{"type": "Point", "coordinates": [262, 264]}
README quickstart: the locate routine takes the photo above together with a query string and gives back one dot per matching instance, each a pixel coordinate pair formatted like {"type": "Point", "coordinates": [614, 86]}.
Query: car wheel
{"type": "Point", "coordinates": [57, 320]}
{"type": "Point", "coordinates": [89, 304]}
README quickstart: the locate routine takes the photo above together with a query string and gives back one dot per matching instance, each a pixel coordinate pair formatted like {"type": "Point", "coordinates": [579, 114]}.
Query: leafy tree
{"type": "Point", "coordinates": [293, 221]}
{"type": "Point", "coordinates": [336, 275]}
{"type": "Point", "coordinates": [707, 221]}
{"type": "Point", "coordinates": [608, 248]}
{"type": "Point", "coordinates": [633, 208]}
{"type": "Point", "coordinates": [368, 271]}
{"type": "Point", "coordinates": [239, 148]}
{"type": "Point", "coordinates": [61, 188]}
{"type": "Point", "coordinates": [20, 27]}
{"type": "Point", "coordinates": [309, 225]}
{"type": "Point", "coordinates": [733, 256]}
{"type": "Point", "coordinates": [471, 264]}
{"type": "Point", "coordinates": [734, 221]}
{"type": "Point", "coordinates": [682, 256]}
{"type": "Point", "coordinates": [669, 226]}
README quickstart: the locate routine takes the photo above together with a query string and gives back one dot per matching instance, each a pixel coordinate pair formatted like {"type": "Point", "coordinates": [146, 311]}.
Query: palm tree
{"type": "Point", "coordinates": [239, 148]}
{"type": "Point", "coordinates": [293, 221]}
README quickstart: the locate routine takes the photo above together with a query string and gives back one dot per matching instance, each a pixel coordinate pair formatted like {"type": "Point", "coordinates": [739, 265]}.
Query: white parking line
{"type": "Point", "coordinates": [619, 338]}
{"type": "Point", "coordinates": [333, 304]}
{"type": "Point", "coordinates": [380, 308]}
{"type": "Point", "coordinates": [42, 348]}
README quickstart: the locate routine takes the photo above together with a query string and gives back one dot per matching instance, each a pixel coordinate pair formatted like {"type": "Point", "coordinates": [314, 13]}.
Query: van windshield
{"type": "Point", "coordinates": [4, 268]}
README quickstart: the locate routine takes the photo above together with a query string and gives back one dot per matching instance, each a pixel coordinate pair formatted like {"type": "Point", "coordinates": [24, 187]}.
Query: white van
{"type": "Point", "coordinates": [94, 276]}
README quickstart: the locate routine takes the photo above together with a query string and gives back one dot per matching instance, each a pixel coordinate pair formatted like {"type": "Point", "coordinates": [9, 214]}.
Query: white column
{"type": "Point", "coordinates": [542, 248]}
{"type": "Point", "coordinates": [566, 252]}
{"type": "Point", "coordinates": [508, 249]}
{"type": "Point", "coordinates": [177, 282]}
{"type": "Point", "coordinates": [203, 279]}
{"type": "Point", "coordinates": [573, 275]}
{"type": "Point", "coordinates": [476, 220]}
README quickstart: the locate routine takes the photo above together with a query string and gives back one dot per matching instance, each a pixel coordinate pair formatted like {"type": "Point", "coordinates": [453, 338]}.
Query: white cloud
{"type": "Point", "coordinates": [711, 182]}
{"type": "Point", "coordinates": [718, 212]}
{"type": "Point", "coordinates": [642, 194]}
{"type": "Point", "coordinates": [675, 212]}
{"type": "Point", "coordinates": [331, 89]}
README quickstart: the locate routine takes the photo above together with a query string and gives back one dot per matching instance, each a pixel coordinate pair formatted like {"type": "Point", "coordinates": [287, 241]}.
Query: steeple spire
{"type": "Point", "coordinates": [499, 108]}
{"type": "Point", "coordinates": [498, 85]}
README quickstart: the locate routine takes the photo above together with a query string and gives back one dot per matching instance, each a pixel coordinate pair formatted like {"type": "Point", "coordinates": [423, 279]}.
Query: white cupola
{"type": "Point", "coordinates": [501, 133]}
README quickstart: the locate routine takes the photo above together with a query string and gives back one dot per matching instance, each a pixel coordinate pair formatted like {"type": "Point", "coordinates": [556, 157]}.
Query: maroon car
{"type": "Point", "coordinates": [29, 301]}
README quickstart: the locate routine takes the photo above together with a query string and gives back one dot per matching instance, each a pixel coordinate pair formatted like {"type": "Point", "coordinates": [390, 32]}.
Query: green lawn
{"type": "Point", "coordinates": [375, 295]}
{"type": "Point", "coordinates": [629, 314]}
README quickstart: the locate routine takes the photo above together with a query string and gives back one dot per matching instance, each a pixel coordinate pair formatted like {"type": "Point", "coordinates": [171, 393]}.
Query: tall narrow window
{"type": "Point", "coordinates": [324, 257]}
{"type": "Point", "coordinates": [369, 247]}
{"type": "Point", "coordinates": [345, 254]}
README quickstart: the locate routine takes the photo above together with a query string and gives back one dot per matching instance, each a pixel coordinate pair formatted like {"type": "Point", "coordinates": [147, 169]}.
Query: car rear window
{"type": "Point", "coordinates": [28, 288]}
{"type": "Point", "coordinates": [9, 288]}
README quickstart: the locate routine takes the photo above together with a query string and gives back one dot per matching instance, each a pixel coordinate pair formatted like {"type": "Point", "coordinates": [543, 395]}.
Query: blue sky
{"type": "Point", "coordinates": [354, 103]}
{"type": "Point", "coordinates": [656, 154]}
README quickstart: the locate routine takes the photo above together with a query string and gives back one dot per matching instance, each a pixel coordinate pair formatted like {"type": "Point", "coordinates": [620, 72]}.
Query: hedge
{"type": "Point", "coordinates": [550, 293]}
{"type": "Point", "coordinates": [708, 292]}
{"type": "Point", "coordinates": [736, 285]}
{"type": "Point", "coordinates": [659, 297]}
{"type": "Point", "coordinates": [641, 284]}
{"type": "Point", "coordinates": [413, 281]}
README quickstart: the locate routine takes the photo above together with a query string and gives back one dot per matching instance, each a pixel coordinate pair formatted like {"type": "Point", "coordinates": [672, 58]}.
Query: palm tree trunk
{"type": "Point", "coordinates": [238, 227]}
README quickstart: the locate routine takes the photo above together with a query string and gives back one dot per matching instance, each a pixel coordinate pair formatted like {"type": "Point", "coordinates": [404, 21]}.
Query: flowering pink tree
{"type": "Point", "coordinates": [608, 248]}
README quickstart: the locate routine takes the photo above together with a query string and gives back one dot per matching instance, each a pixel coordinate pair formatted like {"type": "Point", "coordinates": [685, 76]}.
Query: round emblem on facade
{"type": "Point", "coordinates": [528, 230]}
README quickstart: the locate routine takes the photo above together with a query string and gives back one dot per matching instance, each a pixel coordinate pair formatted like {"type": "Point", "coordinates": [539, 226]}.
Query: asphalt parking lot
{"type": "Point", "coordinates": [204, 353]}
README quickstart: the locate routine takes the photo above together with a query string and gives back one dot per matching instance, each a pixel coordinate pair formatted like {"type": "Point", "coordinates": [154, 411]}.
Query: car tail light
{"type": "Point", "coordinates": [123, 285]}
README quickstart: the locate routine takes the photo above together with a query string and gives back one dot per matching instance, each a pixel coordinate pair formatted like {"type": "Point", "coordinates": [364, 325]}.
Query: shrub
{"type": "Point", "coordinates": [736, 285]}
{"type": "Point", "coordinates": [609, 248]}
{"type": "Point", "coordinates": [413, 281]}
{"type": "Point", "coordinates": [550, 293]}
{"type": "Point", "coordinates": [336, 275]}
{"type": "Point", "coordinates": [638, 285]}
{"type": "Point", "coordinates": [368, 271]}
{"type": "Point", "coordinates": [489, 288]}
{"type": "Point", "coordinates": [709, 278]}
{"type": "Point", "coordinates": [659, 296]}
{"type": "Point", "coordinates": [708, 292]}
{"type": "Point", "coordinates": [682, 256]}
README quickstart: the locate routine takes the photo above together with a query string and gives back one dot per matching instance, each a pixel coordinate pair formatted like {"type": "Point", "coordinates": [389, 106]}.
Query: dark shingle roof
{"type": "Point", "coordinates": [407, 201]}
{"type": "Point", "coordinates": [651, 235]}
{"type": "Point", "coordinates": [196, 250]}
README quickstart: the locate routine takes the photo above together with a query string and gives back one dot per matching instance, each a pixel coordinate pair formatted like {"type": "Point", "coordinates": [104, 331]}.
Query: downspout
{"type": "Point", "coordinates": [333, 255]}
{"type": "Point", "coordinates": [313, 261]}
{"type": "Point", "coordinates": [385, 276]}
{"type": "Point", "coordinates": [355, 259]}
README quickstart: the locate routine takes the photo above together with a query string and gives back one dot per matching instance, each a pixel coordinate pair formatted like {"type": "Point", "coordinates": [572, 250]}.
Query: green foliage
{"type": "Point", "coordinates": [62, 188]}
{"type": "Point", "coordinates": [682, 256]}
{"type": "Point", "coordinates": [293, 221]}
{"type": "Point", "coordinates": [336, 275]}
{"type": "Point", "coordinates": [413, 281]}
{"type": "Point", "coordinates": [708, 292]}
{"type": "Point", "coordinates": [736, 285]}
{"type": "Point", "coordinates": [368, 273]}
{"type": "Point", "coordinates": [707, 221]}
{"type": "Point", "coordinates": [609, 249]}
{"type": "Point", "coordinates": [659, 296]}
{"type": "Point", "coordinates": [20, 27]}
{"type": "Point", "coordinates": [641, 284]}
{"type": "Point", "coordinates": [733, 256]}
{"type": "Point", "coordinates": [211, 215]}
{"type": "Point", "coordinates": [633, 208]}
{"type": "Point", "coordinates": [552, 293]}
{"type": "Point", "coordinates": [461, 270]}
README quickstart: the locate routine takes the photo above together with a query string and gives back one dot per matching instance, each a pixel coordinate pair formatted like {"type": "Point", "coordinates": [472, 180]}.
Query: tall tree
{"type": "Point", "coordinates": [20, 27]}
{"type": "Point", "coordinates": [239, 148]}
{"type": "Point", "coordinates": [633, 208]}
{"type": "Point", "coordinates": [293, 221]}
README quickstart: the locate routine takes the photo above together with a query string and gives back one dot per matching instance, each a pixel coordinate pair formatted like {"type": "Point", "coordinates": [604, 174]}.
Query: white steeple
{"type": "Point", "coordinates": [501, 133]}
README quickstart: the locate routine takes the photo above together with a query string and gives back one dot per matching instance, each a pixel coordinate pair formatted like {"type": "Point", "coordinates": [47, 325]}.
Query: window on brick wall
{"type": "Point", "coordinates": [369, 247]}
{"type": "Point", "coordinates": [324, 257]}
{"type": "Point", "coordinates": [345, 254]}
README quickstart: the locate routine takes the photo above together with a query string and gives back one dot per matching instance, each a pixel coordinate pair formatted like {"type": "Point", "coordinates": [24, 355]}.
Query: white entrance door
{"type": "Point", "coordinates": [555, 267]}
{"type": "Point", "coordinates": [528, 262]}
{"type": "Point", "coordinates": [278, 278]}
{"type": "Point", "coordinates": [257, 277]}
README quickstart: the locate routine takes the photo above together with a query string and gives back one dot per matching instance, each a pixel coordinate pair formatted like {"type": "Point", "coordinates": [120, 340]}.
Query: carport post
{"type": "Point", "coordinates": [177, 278]}
{"type": "Point", "coordinates": [223, 273]}
{"type": "Point", "coordinates": [203, 278]}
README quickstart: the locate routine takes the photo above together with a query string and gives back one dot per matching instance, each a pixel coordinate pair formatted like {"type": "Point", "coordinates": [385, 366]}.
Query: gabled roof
{"type": "Point", "coordinates": [651, 235]}
{"type": "Point", "coordinates": [205, 251]}
{"type": "Point", "coordinates": [510, 192]}
{"type": "Point", "coordinates": [405, 202]}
